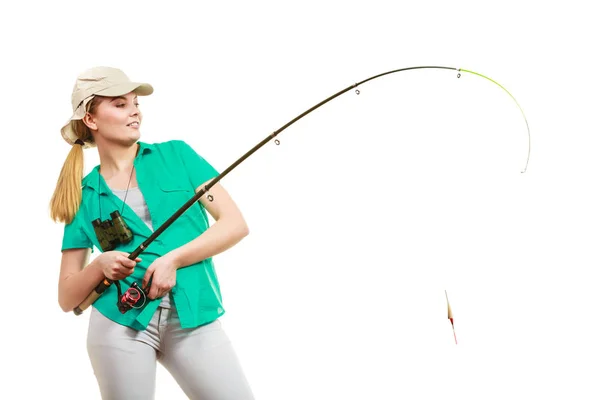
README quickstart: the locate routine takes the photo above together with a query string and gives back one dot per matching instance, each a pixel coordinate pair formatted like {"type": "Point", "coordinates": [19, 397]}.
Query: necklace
{"type": "Point", "coordinates": [126, 191]}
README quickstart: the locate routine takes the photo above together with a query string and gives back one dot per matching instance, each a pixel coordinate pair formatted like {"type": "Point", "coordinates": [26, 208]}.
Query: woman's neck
{"type": "Point", "coordinates": [117, 160]}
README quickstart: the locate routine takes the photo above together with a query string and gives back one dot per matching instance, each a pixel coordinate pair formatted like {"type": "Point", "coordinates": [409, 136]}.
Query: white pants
{"type": "Point", "coordinates": [201, 360]}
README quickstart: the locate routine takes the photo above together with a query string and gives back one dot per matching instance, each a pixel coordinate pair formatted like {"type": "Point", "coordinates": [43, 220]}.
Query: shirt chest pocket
{"type": "Point", "coordinates": [173, 196]}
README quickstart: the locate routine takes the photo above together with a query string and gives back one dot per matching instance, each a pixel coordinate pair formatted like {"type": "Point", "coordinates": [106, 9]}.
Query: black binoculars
{"type": "Point", "coordinates": [111, 233]}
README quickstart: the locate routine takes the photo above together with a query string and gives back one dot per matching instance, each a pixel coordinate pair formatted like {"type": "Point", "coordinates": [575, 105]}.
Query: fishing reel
{"type": "Point", "coordinates": [112, 232]}
{"type": "Point", "coordinates": [131, 298]}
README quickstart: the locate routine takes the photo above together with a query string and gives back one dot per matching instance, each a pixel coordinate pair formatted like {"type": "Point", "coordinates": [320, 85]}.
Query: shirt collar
{"type": "Point", "coordinates": [92, 179]}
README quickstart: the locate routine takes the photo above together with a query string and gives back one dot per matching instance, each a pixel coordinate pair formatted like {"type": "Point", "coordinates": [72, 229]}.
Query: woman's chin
{"type": "Point", "coordinates": [127, 140]}
{"type": "Point", "coordinates": [134, 136]}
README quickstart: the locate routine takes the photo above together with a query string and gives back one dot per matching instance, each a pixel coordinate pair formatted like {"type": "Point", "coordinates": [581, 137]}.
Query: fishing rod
{"type": "Point", "coordinates": [135, 293]}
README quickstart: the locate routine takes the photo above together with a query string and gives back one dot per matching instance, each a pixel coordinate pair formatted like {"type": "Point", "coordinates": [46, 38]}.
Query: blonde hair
{"type": "Point", "coordinates": [66, 199]}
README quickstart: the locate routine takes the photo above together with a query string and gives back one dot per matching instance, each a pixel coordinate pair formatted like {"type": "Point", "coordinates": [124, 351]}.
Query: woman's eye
{"type": "Point", "coordinates": [123, 105]}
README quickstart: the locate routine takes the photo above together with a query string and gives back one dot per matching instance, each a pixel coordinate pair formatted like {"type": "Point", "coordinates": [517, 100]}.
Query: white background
{"type": "Point", "coordinates": [371, 207]}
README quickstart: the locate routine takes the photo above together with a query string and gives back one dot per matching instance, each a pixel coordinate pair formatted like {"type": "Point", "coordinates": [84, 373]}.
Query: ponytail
{"type": "Point", "coordinates": [66, 199]}
{"type": "Point", "coordinates": [67, 195]}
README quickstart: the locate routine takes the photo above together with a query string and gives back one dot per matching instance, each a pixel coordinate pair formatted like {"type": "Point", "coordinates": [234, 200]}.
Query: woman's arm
{"type": "Point", "coordinates": [76, 282]}
{"type": "Point", "coordinates": [229, 228]}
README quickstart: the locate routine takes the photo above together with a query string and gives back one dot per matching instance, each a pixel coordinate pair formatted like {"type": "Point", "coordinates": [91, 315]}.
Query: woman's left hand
{"type": "Point", "coordinates": [163, 272]}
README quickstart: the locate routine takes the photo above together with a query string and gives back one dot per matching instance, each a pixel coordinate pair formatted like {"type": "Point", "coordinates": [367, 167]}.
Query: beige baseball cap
{"type": "Point", "coordinates": [102, 81]}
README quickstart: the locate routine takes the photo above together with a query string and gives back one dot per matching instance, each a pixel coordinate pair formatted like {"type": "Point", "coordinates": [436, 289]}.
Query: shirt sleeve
{"type": "Point", "coordinates": [74, 237]}
{"type": "Point", "coordinates": [198, 169]}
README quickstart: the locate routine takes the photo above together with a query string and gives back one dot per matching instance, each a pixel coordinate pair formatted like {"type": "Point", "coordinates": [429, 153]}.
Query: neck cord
{"type": "Point", "coordinates": [126, 191]}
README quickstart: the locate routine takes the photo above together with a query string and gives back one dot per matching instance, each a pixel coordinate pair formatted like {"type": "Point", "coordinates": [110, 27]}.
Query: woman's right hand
{"type": "Point", "coordinates": [116, 265]}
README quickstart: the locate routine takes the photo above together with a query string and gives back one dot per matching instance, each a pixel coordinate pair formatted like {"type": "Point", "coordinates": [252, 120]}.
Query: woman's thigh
{"type": "Point", "coordinates": [203, 362]}
{"type": "Point", "coordinates": [123, 359]}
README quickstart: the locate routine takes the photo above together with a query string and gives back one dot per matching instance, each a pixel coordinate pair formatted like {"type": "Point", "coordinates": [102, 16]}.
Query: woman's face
{"type": "Point", "coordinates": [116, 120]}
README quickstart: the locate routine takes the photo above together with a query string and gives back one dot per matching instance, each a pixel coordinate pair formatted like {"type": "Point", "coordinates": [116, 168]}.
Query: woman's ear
{"type": "Point", "coordinates": [88, 120]}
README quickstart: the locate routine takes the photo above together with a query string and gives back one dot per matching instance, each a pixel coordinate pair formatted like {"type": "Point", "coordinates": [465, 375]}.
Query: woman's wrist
{"type": "Point", "coordinates": [174, 257]}
{"type": "Point", "coordinates": [96, 267]}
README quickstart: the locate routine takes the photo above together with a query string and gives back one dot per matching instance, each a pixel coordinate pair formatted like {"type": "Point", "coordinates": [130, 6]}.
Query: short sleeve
{"type": "Point", "coordinates": [74, 237]}
{"type": "Point", "coordinates": [198, 169]}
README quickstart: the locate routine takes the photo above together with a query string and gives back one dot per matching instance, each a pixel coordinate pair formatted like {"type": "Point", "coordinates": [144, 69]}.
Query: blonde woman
{"type": "Point", "coordinates": [177, 322]}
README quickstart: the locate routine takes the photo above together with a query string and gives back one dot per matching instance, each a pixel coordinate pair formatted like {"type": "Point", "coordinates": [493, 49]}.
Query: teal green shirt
{"type": "Point", "coordinates": [168, 174]}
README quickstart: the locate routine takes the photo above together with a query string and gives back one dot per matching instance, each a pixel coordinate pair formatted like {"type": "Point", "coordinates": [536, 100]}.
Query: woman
{"type": "Point", "coordinates": [177, 322]}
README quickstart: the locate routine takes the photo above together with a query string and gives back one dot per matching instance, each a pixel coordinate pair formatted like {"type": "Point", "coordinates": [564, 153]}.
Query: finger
{"type": "Point", "coordinates": [128, 272]}
{"type": "Point", "coordinates": [116, 276]}
{"type": "Point", "coordinates": [146, 277]}
{"type": "Point", "coordinates": [123, 272]}
{"type": "Point", "coordinates": [116, 272]}
{"type": "Point", "coordinates": [153, 291]}
{"type": "Point", "coordinates": [127, 262]}
{"type": "Point", "coordinates": [162, 291]}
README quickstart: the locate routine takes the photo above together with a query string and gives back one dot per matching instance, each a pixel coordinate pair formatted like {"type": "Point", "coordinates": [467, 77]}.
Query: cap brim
{"type": "Point", "coordinates": [141, 89]}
